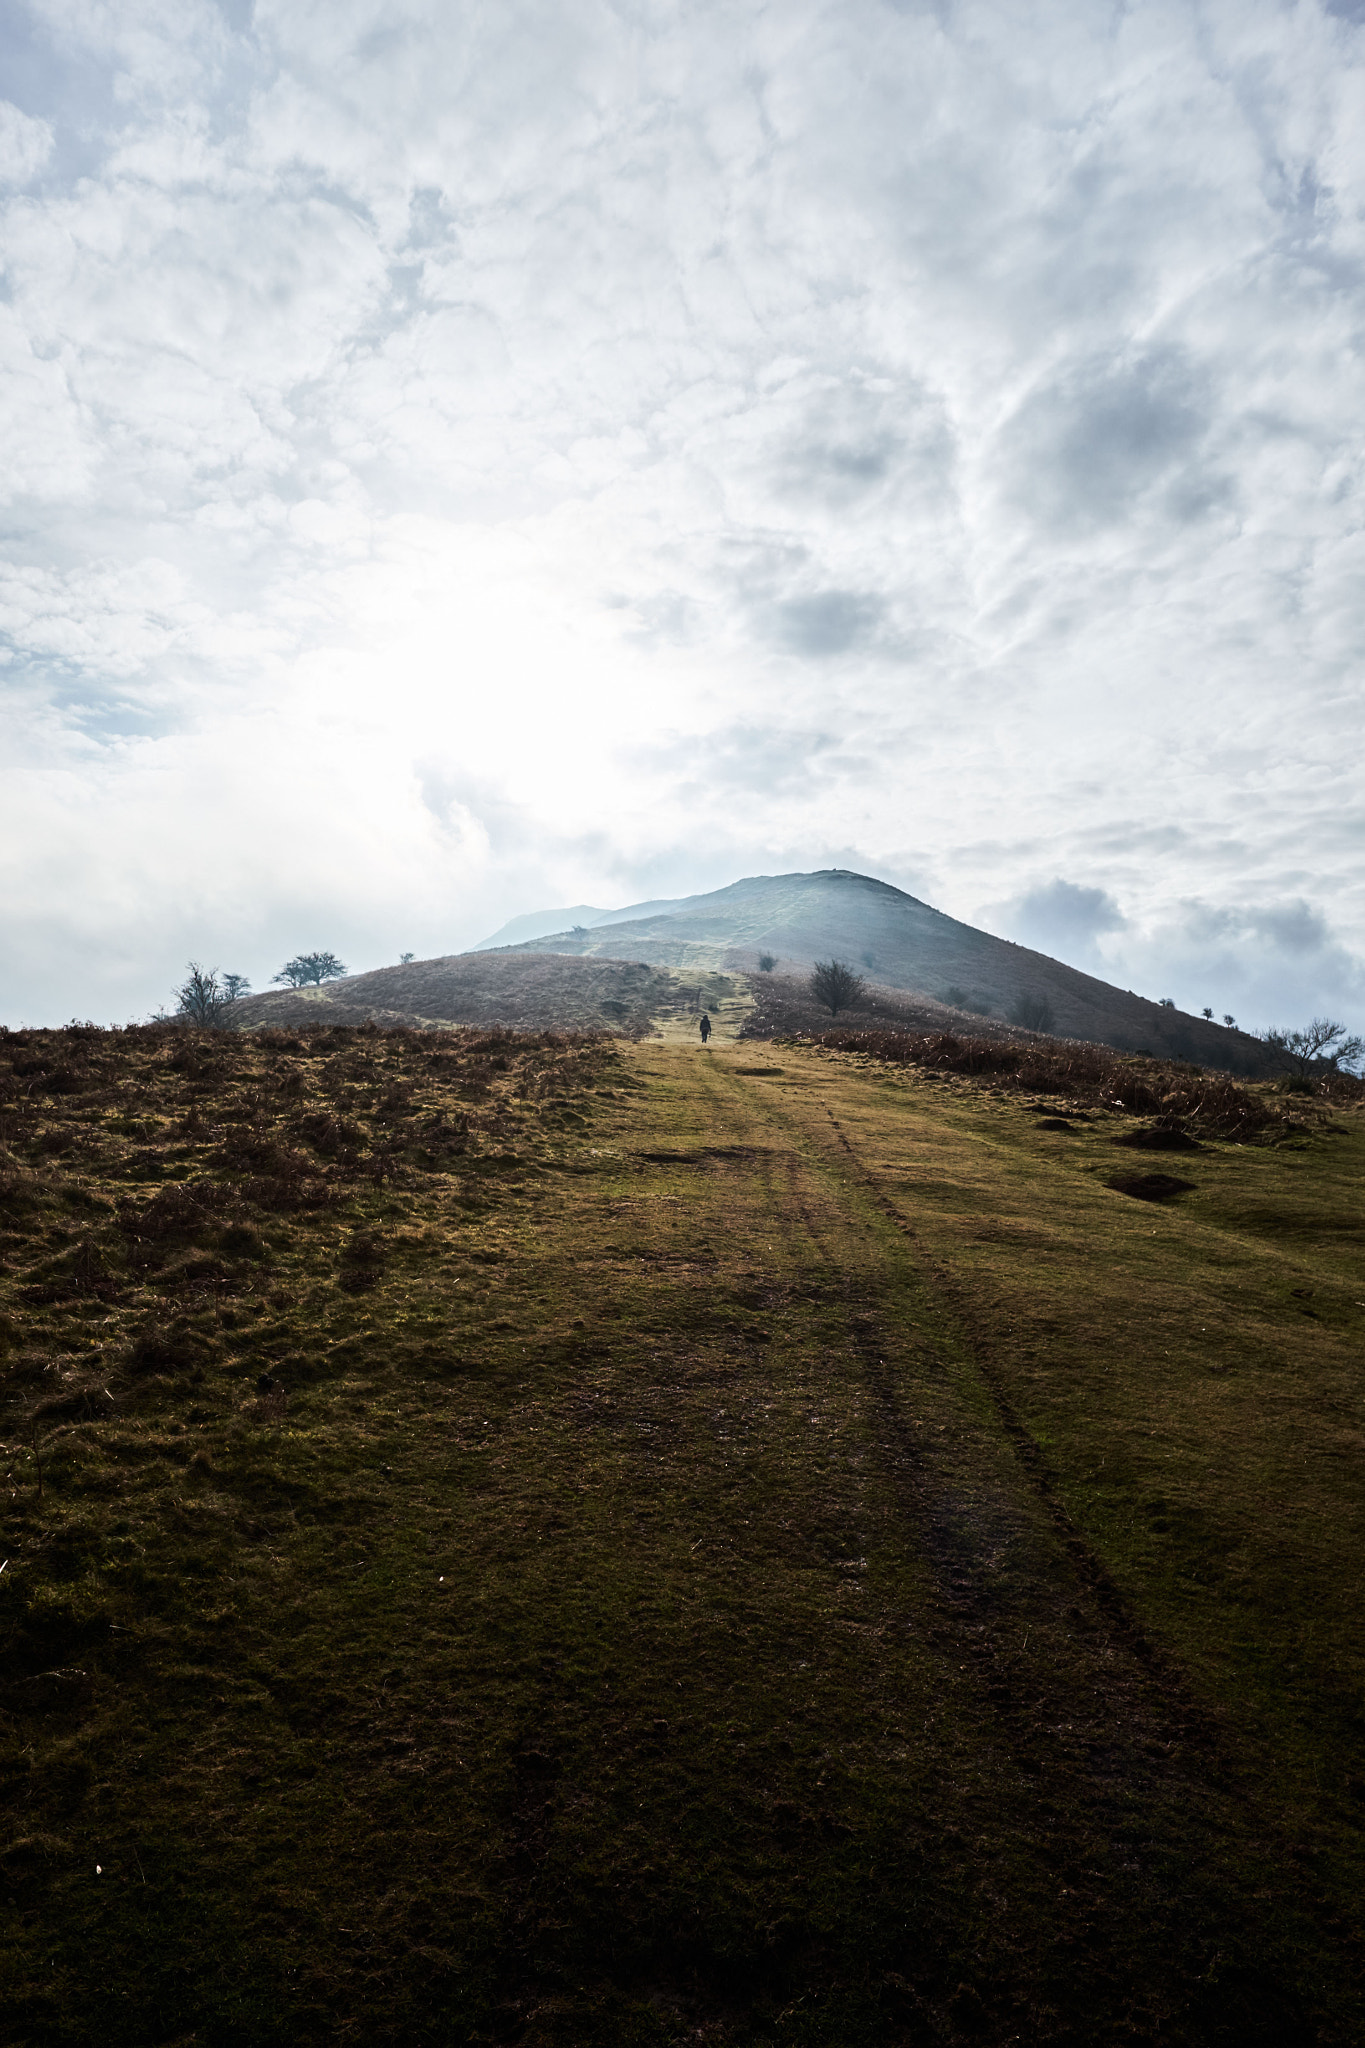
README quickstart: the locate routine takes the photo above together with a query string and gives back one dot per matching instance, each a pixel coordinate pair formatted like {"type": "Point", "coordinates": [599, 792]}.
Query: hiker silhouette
{"type": "Point", "coordinates": [705, 1027]}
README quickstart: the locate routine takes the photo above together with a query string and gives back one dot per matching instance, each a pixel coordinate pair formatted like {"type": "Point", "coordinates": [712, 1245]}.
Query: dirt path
{"type": "Point", "coordinates": [725, 998]}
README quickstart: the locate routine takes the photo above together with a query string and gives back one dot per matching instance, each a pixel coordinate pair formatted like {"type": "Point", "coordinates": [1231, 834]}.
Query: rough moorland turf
{"type": "Point", "coordinates": [546, 1541]}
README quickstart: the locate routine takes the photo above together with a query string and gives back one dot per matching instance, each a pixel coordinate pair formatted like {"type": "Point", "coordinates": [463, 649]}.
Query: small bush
{"type": "Point", "coordinates": [1032, 1010]}
{"type": "Point", "coordinates": [835, 986]}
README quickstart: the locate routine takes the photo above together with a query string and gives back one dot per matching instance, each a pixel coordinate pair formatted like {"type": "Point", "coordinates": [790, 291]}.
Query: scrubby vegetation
{"type": "Point", "coordinates": [783, 1006]}
{"type": "Point", "coordinates": [216, 1255]}
{"type": "Point", "coordinates": [1092, 1074]}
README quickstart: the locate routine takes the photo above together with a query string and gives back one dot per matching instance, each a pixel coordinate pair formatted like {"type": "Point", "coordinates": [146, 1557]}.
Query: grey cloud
{"type": "Point", "coordinates": [1061, 917]}
{"type": "Point", "coordinates": [856, 441]}
{"type": "Point", "coordinates": [827, 622]}
{"type": "Point", "coordinates": [1084, 449]}
{"type": "Point", "coordinates": [1266, 962]}
{"type": "Point", "coordinates": [1294, 927]}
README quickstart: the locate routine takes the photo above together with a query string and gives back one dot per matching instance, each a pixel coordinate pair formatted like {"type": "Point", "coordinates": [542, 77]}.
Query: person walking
{"type": "Point", "coordinates": [705, 1027]}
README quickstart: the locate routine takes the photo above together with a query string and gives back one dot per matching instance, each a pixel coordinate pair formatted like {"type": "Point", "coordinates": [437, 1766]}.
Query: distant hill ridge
{"type": "Point", "coordinates": [900, 943]}
{"type": "Point", "coordinates": [639, 964]}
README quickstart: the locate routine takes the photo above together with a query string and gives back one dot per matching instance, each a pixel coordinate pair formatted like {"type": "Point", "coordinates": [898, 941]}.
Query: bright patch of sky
{"type": "Point", "coordinates": [462, 459]}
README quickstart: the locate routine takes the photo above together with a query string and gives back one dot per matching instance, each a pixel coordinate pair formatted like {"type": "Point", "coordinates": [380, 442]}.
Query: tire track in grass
{"type": "Point", "coordinates": [1124, 1771]}
{"type": "Point", "coordinates": [1033, 1464]}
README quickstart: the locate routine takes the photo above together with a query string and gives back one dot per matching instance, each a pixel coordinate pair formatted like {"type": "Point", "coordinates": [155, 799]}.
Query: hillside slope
{"type": "Point", "coordinates": [524, 991]}
{"type": "Point", "coordinates": [902, 943]}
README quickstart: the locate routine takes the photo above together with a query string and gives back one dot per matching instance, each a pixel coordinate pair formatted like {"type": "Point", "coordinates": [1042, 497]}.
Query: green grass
{"type": "Point", "coordinates": [561, 1542]}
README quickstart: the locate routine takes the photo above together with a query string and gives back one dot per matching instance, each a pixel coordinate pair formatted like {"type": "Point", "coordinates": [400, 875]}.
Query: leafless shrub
{"type": "Point", "coordinates": [1032, 1011]}
{"type": "Point", "coordinates": [835, 986]}
{"type": "Point", "coordinates": [1321, 1049]}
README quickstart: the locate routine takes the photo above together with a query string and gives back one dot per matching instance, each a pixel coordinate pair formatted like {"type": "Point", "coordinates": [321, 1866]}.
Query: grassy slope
{"type": "Point", "coordinates": [792, 1556]}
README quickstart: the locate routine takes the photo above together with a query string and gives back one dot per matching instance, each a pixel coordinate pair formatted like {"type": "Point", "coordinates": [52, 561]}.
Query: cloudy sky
{"type": "Point", "coordinates": [460, 458]}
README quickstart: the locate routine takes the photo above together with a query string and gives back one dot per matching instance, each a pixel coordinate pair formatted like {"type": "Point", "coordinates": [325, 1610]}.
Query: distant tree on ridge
{"type": "Point", "coordinates": [205, 994]}
{"type": "Point", "coordinates": [307, 970]}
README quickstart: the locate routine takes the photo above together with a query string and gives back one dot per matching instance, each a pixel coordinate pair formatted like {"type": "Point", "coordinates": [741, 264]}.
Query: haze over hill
{"type": "Point", "coordinates": [898, 942]}
{"type": "Point", "coordinates": [538, 924]}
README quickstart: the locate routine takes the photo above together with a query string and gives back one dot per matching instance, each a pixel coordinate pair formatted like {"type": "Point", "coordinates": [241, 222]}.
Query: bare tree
{"type": "Point", "coordinates": [1320, 1048]}
{"type": "Point", "coordinates": [1032, 1009]}
{"type": "Point", "coordinates": [307, 970]}
{"type": "Point", "coordinates": [205, 994]}
{"type": "Point", "coordinates": [836, 986]}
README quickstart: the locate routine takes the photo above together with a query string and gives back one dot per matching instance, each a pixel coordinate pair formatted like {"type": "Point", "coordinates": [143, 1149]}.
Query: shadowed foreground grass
{"type": "Point", "coordinates": [543, 1541]}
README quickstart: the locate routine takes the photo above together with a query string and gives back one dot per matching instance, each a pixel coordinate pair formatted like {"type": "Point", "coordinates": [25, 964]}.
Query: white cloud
{"type": "Point", "coordinates": [25, 145]}
{"type": "Point", "coordinates": [679, 438]}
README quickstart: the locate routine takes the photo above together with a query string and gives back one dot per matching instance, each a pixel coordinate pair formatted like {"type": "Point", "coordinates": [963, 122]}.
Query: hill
{"type": "Point", "coordinates": [531, 990]}
{"type": "Point", "coordinates": [902, 943]}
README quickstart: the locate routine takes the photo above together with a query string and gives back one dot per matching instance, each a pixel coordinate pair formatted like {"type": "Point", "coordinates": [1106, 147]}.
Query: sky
{"type": "Point", "coordinates": [466, 458]}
